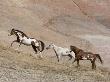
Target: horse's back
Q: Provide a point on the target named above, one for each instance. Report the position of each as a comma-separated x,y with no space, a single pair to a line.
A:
66,51
27,41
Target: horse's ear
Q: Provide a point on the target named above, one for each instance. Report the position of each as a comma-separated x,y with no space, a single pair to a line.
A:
12,28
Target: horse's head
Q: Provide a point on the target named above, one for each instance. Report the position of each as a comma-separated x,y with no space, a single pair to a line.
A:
50,46
73,48
12,32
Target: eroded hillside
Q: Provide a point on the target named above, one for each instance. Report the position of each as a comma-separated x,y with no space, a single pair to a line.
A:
83,23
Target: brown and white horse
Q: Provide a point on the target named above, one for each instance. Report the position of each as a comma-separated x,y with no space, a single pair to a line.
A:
81,55
22,38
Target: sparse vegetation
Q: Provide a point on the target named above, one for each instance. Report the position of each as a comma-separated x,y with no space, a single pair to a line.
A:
16,66
62,22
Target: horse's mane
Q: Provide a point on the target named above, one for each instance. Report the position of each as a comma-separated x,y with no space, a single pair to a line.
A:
22,33
79,50
75,49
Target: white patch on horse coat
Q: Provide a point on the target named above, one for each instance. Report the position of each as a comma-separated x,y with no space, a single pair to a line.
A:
84,58
36,44
73,54
88,56
27,41
20,35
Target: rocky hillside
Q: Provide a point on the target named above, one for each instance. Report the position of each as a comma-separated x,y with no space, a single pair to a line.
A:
17,66
83,23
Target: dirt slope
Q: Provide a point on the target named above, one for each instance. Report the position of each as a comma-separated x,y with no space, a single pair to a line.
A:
23,67
83,23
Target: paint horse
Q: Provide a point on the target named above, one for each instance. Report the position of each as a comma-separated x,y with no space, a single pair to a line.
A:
81,55
22,38
61,51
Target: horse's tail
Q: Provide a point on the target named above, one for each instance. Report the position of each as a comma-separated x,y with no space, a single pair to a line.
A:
98,56
42,45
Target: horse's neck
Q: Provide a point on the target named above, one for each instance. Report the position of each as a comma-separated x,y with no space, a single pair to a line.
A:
16,34
20,32
78,51
55,47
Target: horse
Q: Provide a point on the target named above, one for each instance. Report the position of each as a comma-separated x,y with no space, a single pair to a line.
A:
81,55
22,38
61,51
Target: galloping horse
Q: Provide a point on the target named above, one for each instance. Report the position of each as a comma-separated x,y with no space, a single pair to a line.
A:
22,38
61,51
81,55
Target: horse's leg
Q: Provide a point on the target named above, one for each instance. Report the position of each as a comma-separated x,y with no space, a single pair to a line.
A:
74,60
20,43
38,48
70,56
40,55
12,43
34,48
92,64
78,63
58,57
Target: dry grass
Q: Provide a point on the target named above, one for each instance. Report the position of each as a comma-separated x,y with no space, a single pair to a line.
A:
60,22
17,66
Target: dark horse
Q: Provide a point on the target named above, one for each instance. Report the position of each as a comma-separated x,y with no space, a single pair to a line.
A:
22,38
81,55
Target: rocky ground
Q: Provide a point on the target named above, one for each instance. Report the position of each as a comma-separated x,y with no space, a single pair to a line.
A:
83,23
16,66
